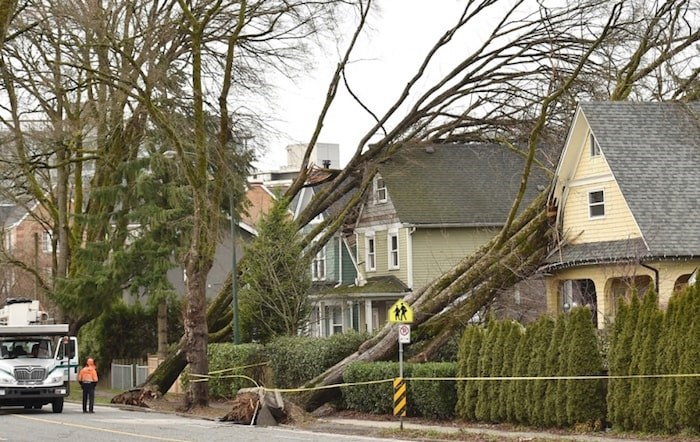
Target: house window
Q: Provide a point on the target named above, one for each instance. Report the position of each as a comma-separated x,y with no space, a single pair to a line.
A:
9,241
595,147
379,190
318,266
596,204
334,320
46,242
370,259
393,246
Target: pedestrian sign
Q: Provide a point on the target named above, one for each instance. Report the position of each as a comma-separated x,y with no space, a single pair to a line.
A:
400,312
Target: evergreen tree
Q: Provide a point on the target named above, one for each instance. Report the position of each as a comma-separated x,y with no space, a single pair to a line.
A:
494,392
482,410
585,399
543,331
643,394
471,388
276,279
552,403
667,363
513,334
688,402
518,388
622,360
614,360
462,358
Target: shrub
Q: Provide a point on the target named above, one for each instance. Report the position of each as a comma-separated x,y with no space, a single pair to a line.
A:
584,399
372,398
434,399
469,360
296,360
235,366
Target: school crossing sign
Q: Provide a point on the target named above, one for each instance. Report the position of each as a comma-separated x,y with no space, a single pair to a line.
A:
400,313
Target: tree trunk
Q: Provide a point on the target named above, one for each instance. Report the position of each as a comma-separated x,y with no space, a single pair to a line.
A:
162,329
219,316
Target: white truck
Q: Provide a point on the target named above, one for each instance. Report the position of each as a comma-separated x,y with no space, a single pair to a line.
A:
38,359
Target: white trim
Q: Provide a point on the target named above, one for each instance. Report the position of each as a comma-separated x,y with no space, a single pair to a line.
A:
598,204
393,233
319,258
409,257
593,148
370,236
376,188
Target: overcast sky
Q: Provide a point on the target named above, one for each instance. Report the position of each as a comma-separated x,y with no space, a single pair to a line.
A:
386,58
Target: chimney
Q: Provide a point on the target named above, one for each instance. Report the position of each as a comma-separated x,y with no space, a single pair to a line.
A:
326,164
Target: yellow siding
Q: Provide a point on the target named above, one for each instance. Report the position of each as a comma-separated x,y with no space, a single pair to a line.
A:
435,250
592,174
617,224
587,165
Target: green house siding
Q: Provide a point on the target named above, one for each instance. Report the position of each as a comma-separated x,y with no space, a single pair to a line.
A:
332,260
381,244
436,250
346,266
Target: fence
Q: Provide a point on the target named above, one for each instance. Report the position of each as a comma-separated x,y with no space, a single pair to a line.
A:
127,376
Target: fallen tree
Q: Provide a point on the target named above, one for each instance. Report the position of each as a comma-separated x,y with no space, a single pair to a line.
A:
454,297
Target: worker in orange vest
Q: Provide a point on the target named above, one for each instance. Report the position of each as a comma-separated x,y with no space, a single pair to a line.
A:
88,381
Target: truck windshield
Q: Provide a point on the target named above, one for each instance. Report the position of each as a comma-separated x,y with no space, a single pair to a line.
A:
38,348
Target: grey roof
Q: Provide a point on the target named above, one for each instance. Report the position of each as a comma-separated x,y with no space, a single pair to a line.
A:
457,184
596,253
11,214
653,150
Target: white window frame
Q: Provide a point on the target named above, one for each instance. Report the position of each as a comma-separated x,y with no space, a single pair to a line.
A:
9,241
594,147
591,205
380,192
318,266
393,253
46,242
336,327
370,256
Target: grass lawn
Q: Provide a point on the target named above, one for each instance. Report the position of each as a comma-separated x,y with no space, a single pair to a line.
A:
102,396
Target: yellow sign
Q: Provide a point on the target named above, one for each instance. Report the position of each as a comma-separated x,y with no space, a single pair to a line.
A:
400,312
399,397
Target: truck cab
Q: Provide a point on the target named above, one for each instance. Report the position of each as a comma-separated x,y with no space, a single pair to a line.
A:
36,361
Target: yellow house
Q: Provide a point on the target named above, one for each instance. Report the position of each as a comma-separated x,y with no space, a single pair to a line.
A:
625,196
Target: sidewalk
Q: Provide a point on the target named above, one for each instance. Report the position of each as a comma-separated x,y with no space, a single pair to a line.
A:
361,426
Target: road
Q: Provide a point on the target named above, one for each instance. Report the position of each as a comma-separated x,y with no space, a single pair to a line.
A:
119,425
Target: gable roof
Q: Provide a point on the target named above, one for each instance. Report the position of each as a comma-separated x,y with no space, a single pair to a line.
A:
653,151
457,184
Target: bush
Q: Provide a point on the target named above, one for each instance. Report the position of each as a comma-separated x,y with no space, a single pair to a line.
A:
584,399
372,398
296,360
234,367
434,399
468,366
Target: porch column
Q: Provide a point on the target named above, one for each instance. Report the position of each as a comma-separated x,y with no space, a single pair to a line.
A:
368,315
552,293
604,300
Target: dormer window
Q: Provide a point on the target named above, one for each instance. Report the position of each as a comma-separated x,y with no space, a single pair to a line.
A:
596,204
595,147
379,190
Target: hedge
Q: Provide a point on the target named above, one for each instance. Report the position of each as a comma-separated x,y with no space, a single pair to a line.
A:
434,399
296,360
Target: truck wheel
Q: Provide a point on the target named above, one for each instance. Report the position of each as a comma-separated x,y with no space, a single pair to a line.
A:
57,405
